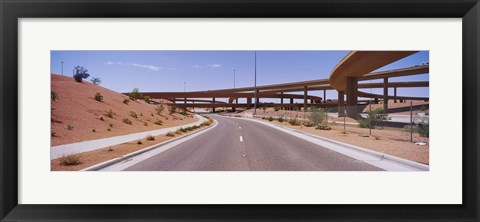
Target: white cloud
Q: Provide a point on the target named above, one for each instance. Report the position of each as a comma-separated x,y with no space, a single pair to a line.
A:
149,67
196,66
215,66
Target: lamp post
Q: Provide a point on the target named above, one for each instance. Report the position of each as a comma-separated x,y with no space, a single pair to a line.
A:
184,86
255,88
62,68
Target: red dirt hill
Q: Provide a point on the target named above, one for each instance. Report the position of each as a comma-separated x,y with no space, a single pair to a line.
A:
77,106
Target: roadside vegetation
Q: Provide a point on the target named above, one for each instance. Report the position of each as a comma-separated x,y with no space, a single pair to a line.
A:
374,119
80,73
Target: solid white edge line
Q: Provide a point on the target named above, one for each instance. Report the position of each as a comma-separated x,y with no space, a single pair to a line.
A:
114,164
381,160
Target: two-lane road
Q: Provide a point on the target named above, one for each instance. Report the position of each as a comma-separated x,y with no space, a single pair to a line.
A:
243,145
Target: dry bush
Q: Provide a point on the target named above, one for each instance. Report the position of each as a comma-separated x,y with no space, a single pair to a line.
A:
127,121
133,114
71,160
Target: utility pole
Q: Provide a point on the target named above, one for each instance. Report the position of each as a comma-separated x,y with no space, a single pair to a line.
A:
411,121
369,117
255,88
62,68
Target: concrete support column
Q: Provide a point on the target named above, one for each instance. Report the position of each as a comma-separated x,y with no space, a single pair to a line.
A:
305,98
324,96
385,95
395,95
213,102
258,99
341,102
281,99
249,103
352,99
185,102
375,100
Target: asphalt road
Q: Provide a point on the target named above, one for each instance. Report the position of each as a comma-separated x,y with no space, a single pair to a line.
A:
243,145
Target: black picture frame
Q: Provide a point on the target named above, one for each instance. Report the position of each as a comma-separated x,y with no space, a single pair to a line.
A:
11,11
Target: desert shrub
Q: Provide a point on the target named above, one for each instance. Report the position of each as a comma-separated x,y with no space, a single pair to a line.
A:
126,101
158,122
178,131
98,97
150,137
316,116
280,119
145,123
110,113
109,129
173,109
422,127
127,121
110,149
53,133
135,94
170,134
323,126
71,160
53,96
101,118
183,130
96,81
111,124
270,118
147,99
80,73
374,118
139,142
133,114
69,126
294,122
308,123
159,109
277,108
93,130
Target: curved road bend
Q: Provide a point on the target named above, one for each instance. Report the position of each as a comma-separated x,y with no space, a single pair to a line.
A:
243,145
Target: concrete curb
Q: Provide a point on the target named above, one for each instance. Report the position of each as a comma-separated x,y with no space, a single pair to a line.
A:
371,152
144,150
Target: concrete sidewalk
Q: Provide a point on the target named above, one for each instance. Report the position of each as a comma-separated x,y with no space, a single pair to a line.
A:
85,146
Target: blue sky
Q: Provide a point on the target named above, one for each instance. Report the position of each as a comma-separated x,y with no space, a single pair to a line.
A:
167,71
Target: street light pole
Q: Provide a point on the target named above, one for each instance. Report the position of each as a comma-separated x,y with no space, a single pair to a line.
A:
62,68
184,86
234,78
255,88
